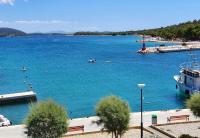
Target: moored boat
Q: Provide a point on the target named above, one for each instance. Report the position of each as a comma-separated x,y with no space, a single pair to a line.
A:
188,81
92,60
4,121
23,69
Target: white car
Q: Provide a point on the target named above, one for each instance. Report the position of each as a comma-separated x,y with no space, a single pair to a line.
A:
4,121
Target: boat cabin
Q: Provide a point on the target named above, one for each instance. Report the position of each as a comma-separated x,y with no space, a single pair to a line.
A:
190,79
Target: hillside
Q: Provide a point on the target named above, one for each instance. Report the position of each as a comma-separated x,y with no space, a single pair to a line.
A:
10,32
185,31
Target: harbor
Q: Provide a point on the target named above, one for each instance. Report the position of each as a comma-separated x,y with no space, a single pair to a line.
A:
65,75
99,69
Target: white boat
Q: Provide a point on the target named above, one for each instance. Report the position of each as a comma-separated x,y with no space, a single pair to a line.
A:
188,81
23,69
92,60
4,121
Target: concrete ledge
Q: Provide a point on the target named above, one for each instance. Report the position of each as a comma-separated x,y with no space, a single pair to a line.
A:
163,132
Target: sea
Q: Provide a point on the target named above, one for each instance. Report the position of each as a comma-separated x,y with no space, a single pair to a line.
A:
58,69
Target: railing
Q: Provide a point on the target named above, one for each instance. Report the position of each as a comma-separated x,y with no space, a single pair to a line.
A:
194,66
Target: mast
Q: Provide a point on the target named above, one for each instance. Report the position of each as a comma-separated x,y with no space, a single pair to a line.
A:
193,63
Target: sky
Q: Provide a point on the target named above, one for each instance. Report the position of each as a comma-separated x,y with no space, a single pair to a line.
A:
95,15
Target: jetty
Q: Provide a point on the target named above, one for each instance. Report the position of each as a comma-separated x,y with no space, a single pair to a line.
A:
167,49
10,98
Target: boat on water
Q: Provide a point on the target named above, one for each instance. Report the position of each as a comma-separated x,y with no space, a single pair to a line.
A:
23,69
92,60
4,121
188,80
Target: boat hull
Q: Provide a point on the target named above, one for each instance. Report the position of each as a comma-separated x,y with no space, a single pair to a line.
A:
183,89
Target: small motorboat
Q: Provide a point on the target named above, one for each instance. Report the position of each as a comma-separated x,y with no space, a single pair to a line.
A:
23,69
92,60
4,121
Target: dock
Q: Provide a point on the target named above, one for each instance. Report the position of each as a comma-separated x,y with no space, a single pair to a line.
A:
167,49
178,48
10,98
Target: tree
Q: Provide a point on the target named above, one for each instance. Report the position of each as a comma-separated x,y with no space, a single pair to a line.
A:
184,31
46,119
114,115
184,44
194,104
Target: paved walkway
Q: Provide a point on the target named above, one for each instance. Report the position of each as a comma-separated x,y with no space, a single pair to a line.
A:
13,132
131,133
90,126
177,130
156,133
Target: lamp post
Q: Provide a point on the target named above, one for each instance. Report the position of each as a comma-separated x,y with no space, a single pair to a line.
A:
141,86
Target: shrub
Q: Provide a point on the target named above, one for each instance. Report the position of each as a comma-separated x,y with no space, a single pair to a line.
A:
46,119
184,44
114,115
186,136
194,104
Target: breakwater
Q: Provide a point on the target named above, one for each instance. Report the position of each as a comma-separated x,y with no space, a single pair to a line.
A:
167,49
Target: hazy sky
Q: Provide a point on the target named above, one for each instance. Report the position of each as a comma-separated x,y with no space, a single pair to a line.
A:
95,15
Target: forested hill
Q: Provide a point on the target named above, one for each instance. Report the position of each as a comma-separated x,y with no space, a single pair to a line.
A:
186,31
10,32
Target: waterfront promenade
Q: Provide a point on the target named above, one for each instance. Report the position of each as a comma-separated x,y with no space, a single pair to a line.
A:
90,126
162,116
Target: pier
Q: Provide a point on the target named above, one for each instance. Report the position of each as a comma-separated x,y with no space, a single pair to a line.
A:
167,49
10,98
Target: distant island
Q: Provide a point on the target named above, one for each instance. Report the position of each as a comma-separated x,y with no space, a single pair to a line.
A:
10,32
5,32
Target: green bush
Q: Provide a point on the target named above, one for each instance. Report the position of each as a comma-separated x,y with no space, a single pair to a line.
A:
186,136
194,104
46,119
185,31
114,115
184,44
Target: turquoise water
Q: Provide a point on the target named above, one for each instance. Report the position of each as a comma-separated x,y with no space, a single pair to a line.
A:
58,69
